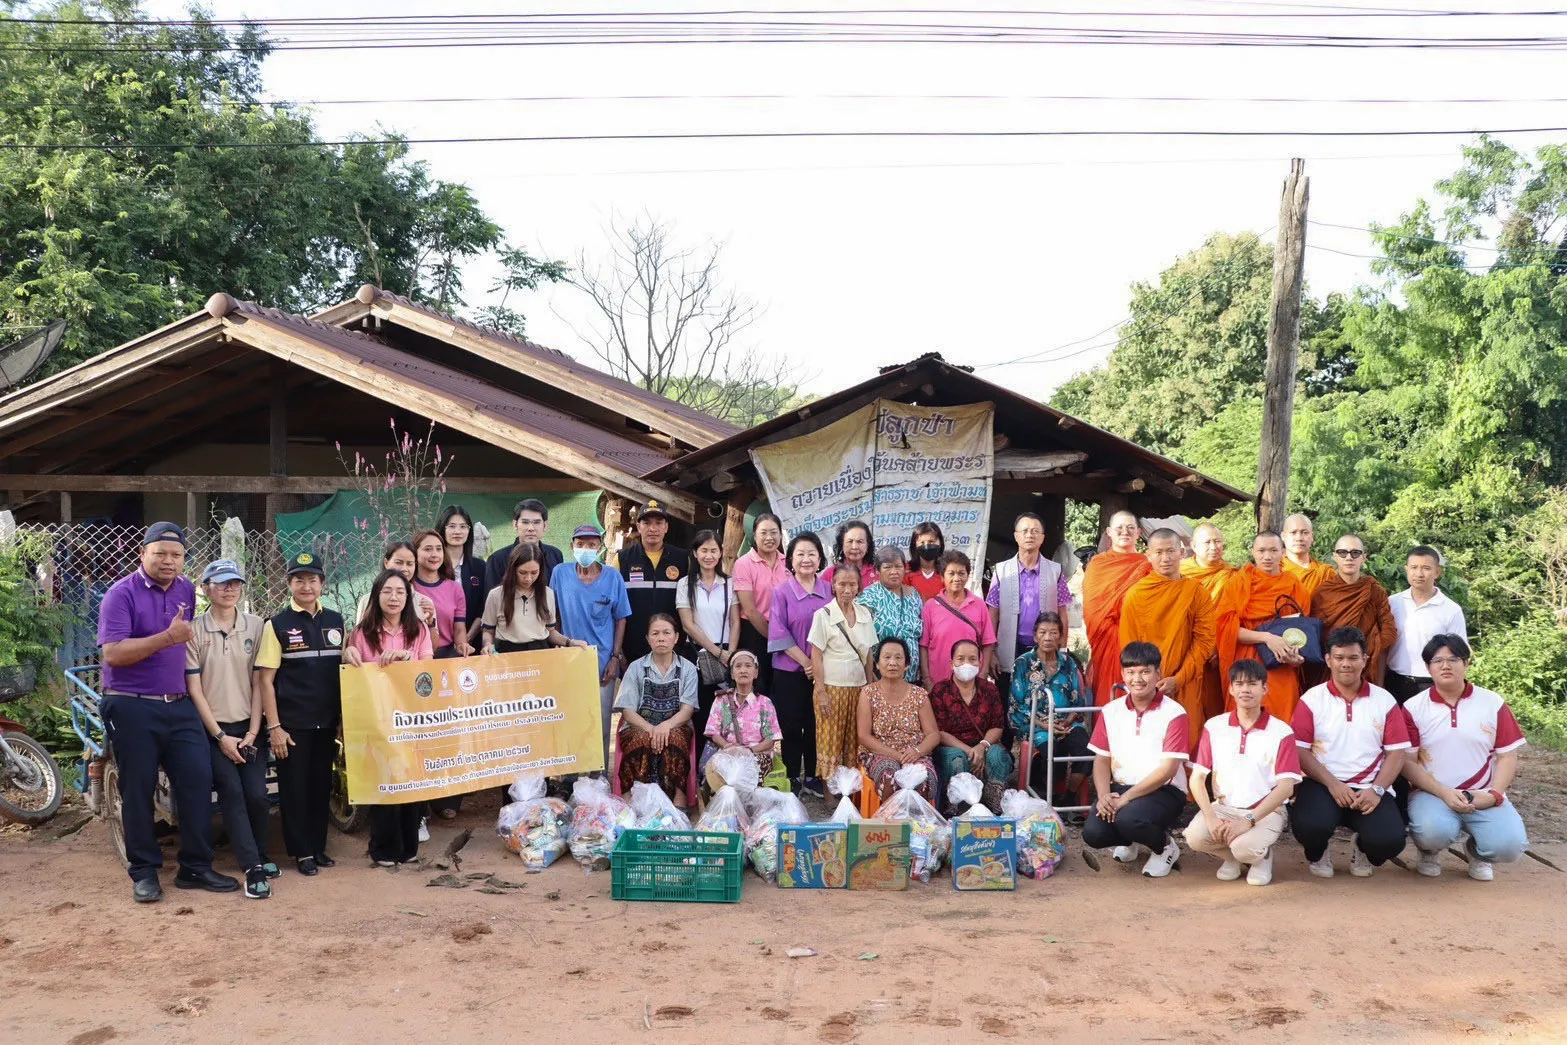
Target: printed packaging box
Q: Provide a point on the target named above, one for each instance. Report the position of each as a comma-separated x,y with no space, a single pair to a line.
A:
984,854
813,856
879,855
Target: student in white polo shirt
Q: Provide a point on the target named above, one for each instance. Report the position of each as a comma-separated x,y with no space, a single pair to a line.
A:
1352,738
1467,742
1421,612
1142,742
1249,761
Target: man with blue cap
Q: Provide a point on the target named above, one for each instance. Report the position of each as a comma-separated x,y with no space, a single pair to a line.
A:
143,627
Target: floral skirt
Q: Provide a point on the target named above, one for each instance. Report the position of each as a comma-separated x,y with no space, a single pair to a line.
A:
837,729
881,769
670,769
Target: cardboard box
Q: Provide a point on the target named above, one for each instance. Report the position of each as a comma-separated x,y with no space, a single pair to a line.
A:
879,855
984,854
813,856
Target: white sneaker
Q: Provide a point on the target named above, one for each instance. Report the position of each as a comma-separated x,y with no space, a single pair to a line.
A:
1125,854
424,831
1481,870
1230,870
1359,865
1261,872
1159,864
1430,864
1323,868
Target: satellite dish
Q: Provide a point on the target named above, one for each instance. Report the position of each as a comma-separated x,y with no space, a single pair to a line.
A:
21,359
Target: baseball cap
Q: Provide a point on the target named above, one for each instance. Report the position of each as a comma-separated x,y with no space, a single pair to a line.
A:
652,507
219,570
587,530
163,531
305,562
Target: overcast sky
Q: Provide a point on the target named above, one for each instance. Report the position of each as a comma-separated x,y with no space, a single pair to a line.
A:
870,252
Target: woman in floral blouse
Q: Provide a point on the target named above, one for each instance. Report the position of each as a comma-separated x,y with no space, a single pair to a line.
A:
896,725
1049,675
895,606
741,717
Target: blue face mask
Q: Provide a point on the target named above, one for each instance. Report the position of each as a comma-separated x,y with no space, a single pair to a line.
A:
585,556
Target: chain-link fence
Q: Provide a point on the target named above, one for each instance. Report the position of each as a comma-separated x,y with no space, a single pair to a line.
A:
79,561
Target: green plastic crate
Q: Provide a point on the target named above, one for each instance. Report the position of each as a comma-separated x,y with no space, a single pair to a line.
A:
682,866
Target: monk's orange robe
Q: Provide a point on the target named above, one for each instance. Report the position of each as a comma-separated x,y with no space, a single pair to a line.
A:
1177,616
1248,601
1311,577
1213,579
1360,605
1107,579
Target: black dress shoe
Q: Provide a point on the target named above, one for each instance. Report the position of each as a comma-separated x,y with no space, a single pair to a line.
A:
307,866
209,880
322,860
146,890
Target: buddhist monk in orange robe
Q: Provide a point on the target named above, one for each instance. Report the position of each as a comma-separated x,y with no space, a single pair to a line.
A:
1109,576
1249,600
1208,568
1176,615
1298,537
1354,599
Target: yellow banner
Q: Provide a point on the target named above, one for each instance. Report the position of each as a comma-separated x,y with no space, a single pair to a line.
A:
434,728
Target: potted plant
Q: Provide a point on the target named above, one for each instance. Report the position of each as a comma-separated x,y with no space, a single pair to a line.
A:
31,627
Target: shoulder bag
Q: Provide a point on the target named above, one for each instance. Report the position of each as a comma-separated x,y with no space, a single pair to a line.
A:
1299,630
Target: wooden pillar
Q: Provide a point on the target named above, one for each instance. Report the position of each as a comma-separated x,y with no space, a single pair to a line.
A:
734,523
1053,511
65,506
1278,397
277,449
616,511
193,505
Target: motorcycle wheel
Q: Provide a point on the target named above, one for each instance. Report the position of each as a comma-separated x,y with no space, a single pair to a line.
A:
31,787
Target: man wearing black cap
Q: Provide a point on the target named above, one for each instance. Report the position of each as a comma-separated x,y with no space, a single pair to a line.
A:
297,666
652,572
143,626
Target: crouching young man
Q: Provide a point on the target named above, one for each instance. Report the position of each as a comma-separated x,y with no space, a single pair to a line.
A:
1245,769
1466,743
1141,742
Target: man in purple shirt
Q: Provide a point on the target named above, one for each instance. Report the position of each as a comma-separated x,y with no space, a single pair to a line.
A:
1021,588
143,626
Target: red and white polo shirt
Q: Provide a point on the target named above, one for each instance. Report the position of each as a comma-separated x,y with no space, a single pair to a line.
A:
1458,743
1246,764
1136,742
1350,737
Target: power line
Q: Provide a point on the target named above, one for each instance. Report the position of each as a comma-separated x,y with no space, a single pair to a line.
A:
1482,267
1404,235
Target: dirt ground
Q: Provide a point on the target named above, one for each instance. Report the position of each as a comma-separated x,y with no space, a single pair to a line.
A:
360,954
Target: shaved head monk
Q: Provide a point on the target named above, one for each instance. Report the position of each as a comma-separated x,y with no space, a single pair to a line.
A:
1175,614
1109,576
1352,598
1208,568
1249,600
1298,537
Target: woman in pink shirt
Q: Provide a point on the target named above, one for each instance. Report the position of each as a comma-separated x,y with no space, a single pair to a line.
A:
956,613
386,634
756,574
433,576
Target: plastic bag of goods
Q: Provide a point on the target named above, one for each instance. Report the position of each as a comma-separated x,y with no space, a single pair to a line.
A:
770,810
1041,837
655,811
733,767
965,789
533,825
726,812
930,836
597,819
845,782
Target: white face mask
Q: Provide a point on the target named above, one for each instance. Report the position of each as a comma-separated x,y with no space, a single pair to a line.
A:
966,672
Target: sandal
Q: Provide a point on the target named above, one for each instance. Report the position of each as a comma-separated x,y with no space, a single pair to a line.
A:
448,814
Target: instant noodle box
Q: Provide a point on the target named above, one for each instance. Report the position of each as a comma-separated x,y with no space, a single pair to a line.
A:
984,854
813,856
879,855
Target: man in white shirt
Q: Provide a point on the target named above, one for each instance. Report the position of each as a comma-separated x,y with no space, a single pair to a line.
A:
1422,612
1352,738
1466,743
1142,743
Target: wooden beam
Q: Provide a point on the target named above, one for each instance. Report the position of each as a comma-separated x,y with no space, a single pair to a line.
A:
1130,486
734,523
270,484
194,502
1020,464
1158,482
277,427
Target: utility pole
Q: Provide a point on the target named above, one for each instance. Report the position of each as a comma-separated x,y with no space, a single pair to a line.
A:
1278,404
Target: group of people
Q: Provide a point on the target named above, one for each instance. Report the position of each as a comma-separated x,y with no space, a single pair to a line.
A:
873,658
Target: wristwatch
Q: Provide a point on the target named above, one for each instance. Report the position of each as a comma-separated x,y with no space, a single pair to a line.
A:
1379,790
1249,817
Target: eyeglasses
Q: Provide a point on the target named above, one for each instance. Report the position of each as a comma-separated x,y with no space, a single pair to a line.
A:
1445,662
1350,553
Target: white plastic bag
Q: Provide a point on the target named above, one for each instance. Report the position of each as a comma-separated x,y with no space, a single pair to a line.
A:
597,819
770,810
1041,837
532,825
654,810
737,767
965,789
845,781
726,812
930,836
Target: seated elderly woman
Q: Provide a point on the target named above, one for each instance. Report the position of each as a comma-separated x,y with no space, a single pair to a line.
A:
657,700
896,725
972,717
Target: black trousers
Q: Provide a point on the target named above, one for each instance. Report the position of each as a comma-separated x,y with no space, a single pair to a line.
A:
1072,743
756,642
1142,821
147,733
242,797
394,831
1315,816
304,790
792,697
1405,686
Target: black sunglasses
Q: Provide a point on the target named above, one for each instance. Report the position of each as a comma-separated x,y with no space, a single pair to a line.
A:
1350,553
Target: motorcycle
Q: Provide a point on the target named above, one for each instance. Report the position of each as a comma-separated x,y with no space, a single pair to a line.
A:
31,786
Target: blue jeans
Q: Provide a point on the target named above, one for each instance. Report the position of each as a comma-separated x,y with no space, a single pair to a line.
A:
950,762
1498,832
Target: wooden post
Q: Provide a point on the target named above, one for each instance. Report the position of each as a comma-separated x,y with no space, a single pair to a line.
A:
1278,404
616,509
193,505
1053,511
277,449
740,499
65,506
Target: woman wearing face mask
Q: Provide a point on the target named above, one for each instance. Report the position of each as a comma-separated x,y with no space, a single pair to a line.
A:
972,717
925,549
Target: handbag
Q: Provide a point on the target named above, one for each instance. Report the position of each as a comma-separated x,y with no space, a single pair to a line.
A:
1299,630
709,669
